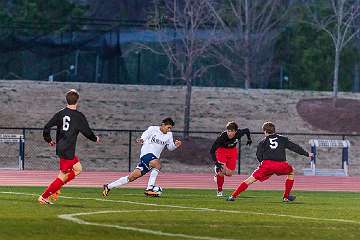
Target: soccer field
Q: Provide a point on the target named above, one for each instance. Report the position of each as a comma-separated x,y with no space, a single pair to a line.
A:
81,213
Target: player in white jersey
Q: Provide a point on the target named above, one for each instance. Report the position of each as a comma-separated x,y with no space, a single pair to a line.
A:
153,141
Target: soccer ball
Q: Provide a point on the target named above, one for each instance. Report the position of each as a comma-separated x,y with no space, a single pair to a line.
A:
157,189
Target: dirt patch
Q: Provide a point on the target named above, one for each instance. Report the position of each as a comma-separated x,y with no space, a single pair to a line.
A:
323,114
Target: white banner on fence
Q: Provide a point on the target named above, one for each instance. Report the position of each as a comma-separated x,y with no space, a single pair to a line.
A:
11,138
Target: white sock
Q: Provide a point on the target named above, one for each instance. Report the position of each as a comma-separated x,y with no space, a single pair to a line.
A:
152,178
119,182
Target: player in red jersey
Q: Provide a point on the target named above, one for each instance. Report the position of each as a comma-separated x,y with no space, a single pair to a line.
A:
224,153
69,123
272,157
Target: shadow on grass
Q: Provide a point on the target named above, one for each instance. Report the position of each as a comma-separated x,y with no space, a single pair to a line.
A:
60,205
287,203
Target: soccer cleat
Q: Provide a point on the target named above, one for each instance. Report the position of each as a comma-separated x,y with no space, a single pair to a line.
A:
151,193
220,194
230,198
44,201
55,196
290,198
149,188
106,190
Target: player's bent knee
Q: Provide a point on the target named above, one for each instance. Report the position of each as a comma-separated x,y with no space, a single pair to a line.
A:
134,175
62,176
250,180
132,178
77,168
155,164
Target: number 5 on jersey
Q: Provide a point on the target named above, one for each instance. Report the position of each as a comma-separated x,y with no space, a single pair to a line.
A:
66,123
273,143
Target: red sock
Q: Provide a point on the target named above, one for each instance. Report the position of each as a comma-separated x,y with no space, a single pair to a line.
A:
53,187
70,176
288,186
220,182
242,187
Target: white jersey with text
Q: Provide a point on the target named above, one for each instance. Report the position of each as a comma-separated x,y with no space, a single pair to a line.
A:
155,141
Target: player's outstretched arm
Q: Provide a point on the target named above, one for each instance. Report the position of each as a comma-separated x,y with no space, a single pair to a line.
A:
296,148
86,130
246,132
171,145
260,151
47,130
218,143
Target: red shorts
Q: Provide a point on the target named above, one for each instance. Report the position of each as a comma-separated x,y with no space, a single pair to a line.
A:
269,167
66,165
227,156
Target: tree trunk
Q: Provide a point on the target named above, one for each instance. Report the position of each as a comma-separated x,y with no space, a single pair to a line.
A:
356,79
336,74
187,108
247,72
247,47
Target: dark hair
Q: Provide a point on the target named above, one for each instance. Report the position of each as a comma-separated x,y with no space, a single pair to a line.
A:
269,127
168,121
232,126
72,96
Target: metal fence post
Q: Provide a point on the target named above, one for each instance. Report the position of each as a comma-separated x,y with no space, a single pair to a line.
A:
22,156
20,153
130,135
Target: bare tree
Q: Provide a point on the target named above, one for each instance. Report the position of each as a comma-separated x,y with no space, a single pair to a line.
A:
185,29
337,18
250,30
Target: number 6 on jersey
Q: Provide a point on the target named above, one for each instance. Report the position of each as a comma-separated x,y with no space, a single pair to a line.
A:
66,123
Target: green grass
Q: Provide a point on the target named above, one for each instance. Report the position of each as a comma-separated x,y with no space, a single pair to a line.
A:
196,214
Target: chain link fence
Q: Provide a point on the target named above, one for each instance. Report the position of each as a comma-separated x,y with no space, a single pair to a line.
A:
118,151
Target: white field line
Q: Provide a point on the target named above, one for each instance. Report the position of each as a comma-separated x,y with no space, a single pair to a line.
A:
71,217
339,220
